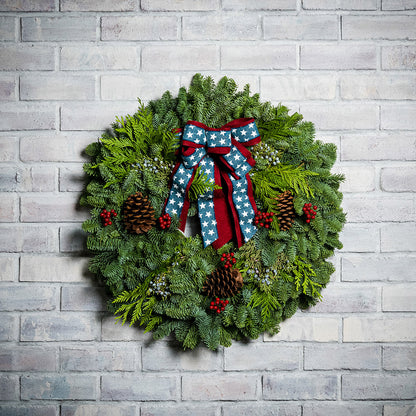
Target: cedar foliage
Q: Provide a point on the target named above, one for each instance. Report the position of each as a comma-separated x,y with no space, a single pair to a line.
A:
282,270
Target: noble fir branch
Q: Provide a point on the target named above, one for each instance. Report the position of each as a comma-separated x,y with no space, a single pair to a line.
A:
201,184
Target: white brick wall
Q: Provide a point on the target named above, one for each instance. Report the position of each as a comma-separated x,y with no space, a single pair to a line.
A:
68,67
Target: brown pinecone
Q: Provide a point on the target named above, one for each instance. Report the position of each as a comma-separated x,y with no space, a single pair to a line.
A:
223,283
286,215
138,214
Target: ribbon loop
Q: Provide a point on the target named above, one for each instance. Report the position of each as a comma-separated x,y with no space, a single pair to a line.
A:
223,156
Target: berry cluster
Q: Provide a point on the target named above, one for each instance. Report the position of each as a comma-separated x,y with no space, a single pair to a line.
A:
228,259
158,286
263,219
309,212
218,305
106,216
164,221
263,277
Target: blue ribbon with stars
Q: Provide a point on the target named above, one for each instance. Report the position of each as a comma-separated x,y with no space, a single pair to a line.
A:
222,155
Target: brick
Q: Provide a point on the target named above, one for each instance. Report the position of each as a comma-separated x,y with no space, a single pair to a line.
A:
139,28
93,116
399,358
80,298
53,269
341,116
222,27
71,179
27,238
28,298
178,410
357,178
301,27
8,149
139,387
341,409
97,410
378,147
52,208
7,87
399,298
8,327
261,409
401,179
9,388
67,147
27,58
39,179
8,268
380,386
9,208
146,87
101,6
27,6
259,5
344,299
113,357
103,57
179,5
24,358
342,357
27,409
59,327
59,387
239,357
398,117
339,57
398,237
388,209
34,179
7,28
220,387
384,329
72,239
299,387
399,410
260,57
310,87
340,4
165,357
27,116
398,5
398,57
378,268
111,330
57,87
384,87
41,29
378,27
307,328
186,58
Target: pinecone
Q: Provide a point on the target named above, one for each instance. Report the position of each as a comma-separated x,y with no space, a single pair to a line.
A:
286,214
223,283
138,214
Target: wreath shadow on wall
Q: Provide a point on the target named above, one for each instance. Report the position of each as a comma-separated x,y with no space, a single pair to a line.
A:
253,182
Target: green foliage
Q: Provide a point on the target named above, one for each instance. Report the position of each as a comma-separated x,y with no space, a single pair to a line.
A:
201,185
282,271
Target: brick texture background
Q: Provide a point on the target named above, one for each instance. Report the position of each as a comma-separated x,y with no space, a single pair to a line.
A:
68,67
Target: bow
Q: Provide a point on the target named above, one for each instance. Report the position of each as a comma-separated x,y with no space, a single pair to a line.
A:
223,156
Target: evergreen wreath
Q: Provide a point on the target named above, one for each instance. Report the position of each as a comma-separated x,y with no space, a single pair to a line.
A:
169,283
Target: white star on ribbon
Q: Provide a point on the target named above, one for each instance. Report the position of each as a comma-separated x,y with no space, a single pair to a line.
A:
237,157
181,181
245,213
239,184
211,205
213,136
181,170
178,194
202,205
190,134
180,203
213,222
205,224
211,232
243,132
239,199
199,133
222,141
174,211
222,133
253,134
208,214
251,125
247,230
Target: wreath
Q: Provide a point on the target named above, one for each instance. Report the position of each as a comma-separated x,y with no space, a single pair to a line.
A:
257,189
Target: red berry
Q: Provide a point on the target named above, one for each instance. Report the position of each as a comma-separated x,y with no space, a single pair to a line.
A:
227,302
315,207
232,254
308,221
211,307
313,217
115,214
218,311
222,308
261,224
109,222
234,261
267,226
